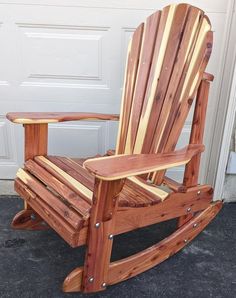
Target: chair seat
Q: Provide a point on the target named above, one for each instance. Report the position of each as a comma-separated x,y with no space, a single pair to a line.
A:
60,190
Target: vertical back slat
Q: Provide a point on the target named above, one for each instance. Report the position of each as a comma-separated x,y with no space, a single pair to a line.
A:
173,45
146,55
195,76
194,81
159,52
130,80
183,57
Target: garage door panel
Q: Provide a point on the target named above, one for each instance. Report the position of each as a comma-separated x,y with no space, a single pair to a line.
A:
63,54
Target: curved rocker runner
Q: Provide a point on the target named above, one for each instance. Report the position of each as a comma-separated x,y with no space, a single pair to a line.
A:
90,201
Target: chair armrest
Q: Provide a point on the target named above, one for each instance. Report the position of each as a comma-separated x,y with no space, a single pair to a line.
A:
122,166
48,117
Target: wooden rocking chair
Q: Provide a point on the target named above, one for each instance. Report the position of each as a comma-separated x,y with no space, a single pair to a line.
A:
91,201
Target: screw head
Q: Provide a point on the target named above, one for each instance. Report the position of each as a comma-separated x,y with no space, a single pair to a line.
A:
110,237
185,240
195,225
199,192
32,216
97,225
189,209
91,279
104,285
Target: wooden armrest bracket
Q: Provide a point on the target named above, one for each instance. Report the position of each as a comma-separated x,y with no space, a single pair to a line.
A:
36,140
208,77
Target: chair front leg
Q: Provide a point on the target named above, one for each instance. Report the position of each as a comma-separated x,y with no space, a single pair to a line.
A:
100,238
36,143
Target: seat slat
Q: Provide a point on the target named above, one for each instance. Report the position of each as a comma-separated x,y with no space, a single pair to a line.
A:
69,215
127,198
135,193
66,231
71,182
73,199
74,169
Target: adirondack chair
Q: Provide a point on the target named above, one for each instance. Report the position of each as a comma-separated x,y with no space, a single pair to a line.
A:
91,201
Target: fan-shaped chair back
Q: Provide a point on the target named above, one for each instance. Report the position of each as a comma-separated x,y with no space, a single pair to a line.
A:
166,59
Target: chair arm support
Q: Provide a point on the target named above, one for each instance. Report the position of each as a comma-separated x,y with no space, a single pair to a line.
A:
122,166
208,76
51,117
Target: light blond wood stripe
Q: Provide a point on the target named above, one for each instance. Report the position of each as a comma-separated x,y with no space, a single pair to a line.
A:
22,175
153,189
35,121
48,120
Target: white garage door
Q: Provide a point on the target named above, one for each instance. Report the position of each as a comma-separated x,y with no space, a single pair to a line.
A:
69,56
